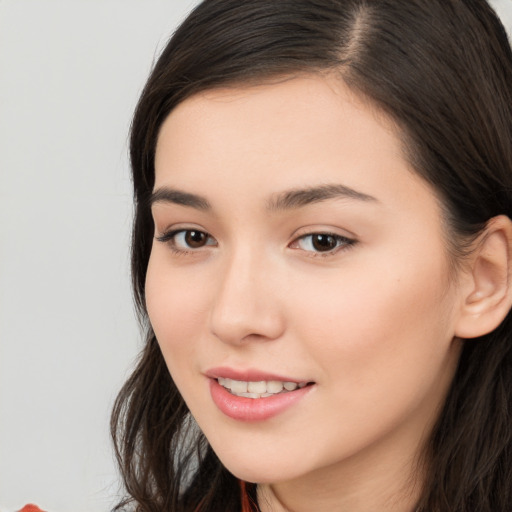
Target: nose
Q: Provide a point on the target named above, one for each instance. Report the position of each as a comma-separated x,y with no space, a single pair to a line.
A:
246,305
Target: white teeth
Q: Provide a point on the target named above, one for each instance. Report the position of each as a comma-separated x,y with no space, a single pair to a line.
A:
240,386
260,389
249,395
274,386
256,387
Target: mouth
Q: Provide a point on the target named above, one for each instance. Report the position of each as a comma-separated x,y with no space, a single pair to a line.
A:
252,395
260,389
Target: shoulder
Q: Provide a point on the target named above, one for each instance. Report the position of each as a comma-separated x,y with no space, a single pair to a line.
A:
31,508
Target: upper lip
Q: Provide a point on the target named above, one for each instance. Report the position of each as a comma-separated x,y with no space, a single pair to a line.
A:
249,375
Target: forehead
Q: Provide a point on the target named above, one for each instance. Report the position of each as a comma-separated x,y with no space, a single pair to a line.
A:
283,108
297,132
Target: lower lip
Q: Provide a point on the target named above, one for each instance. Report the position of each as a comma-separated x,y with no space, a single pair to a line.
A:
254,409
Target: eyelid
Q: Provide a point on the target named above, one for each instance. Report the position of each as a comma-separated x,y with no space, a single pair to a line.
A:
343,242
171,229
169,237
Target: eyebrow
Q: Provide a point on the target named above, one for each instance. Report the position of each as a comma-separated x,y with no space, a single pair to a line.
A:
174,196
302,197
286,200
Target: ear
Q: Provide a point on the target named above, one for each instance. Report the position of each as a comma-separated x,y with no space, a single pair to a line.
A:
487,287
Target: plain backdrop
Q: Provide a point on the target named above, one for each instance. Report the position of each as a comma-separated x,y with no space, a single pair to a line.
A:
70,75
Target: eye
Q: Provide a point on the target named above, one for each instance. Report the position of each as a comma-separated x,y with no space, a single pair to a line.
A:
186,240
326,243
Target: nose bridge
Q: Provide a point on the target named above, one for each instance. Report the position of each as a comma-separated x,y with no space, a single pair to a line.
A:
245,305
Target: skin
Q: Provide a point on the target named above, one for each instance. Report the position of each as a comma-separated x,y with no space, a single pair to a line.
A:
372,323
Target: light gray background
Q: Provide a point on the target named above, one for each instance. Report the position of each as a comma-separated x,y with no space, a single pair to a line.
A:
70,74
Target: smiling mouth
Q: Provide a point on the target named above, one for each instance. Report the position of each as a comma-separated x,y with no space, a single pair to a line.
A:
260,389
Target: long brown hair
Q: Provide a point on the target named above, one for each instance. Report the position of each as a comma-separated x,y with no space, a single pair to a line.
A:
442,69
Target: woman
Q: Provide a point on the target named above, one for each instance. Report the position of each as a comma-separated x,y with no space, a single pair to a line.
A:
321,261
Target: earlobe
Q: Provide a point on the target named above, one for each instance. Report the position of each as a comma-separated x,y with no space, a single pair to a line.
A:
488,295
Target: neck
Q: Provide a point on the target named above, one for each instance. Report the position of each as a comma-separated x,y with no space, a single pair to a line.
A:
383,484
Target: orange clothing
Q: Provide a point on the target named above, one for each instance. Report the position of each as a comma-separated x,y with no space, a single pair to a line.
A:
31,508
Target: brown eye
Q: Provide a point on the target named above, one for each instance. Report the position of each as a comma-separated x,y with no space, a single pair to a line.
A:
186,240
321,242
316,243
195,239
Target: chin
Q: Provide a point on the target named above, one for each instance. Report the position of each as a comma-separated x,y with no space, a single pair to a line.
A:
258,469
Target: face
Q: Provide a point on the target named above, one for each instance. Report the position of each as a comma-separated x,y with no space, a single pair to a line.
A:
299,284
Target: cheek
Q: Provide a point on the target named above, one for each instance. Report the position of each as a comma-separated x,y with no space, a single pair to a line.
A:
175,301
381,342
379,321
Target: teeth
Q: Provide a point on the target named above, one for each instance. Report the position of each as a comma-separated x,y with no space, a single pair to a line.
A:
225,382
239,386
260,389
256,387
274,386
249,395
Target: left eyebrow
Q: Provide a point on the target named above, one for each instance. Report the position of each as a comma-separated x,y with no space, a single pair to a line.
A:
175,196
298,198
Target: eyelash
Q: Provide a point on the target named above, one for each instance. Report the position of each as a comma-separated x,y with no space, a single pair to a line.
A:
169,238
342,242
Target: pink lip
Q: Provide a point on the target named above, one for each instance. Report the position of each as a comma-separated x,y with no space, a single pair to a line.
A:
252,409
249,375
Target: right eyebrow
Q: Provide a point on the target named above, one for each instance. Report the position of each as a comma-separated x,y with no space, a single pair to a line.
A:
175,196
301,197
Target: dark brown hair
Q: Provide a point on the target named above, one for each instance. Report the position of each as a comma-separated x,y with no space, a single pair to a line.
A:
442,70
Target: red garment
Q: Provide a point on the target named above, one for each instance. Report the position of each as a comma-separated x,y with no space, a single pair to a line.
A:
247,504
31,508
